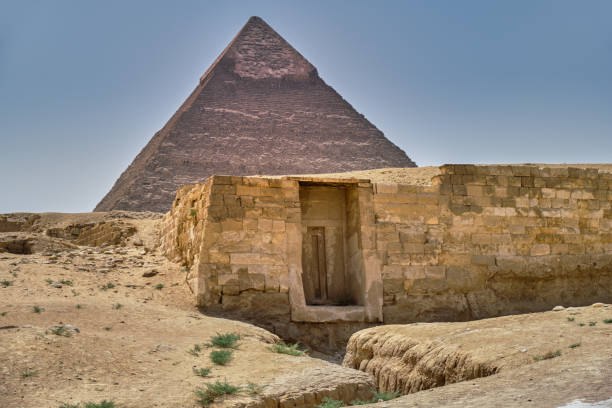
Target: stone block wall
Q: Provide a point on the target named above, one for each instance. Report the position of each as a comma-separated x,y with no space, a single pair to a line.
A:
95,234
231,232
478,241
492,240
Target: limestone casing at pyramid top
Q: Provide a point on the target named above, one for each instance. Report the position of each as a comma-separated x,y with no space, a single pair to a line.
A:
259,52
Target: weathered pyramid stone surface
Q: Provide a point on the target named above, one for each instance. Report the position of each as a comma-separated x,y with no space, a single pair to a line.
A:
261,108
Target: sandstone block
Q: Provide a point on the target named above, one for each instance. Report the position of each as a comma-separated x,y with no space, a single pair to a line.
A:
384,188
540,250
265,225
230,290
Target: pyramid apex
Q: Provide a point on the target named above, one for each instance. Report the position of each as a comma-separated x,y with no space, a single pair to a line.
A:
259,52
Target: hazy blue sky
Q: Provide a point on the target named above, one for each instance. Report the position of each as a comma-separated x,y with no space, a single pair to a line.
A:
85,84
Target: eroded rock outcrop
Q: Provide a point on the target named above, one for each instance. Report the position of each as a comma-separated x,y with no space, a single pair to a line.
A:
410,358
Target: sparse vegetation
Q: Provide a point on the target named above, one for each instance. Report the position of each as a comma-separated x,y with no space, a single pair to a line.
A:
330,403
66,282
109,285
227,340
570,319
214,391
608,321
37,309
574,345
195,351
159,286
221,357
79,306
108,328
3,313
61,331
27,373
377,397
548,355
193,213
117,306
254,389
580,324
291,349
66,405
6,283
49,281
201,372
103,404
592,323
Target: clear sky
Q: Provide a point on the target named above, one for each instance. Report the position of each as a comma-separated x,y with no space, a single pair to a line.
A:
85,84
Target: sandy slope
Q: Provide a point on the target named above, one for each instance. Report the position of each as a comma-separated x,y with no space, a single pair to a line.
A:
133,339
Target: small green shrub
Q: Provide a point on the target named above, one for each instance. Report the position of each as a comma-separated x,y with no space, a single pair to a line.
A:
37,309
330,403
608,321
548,355
108,328
291,349
221,357
79,306
159,286
214,391
592,323
103,404
574,345
66,282
195,351
49,281
227,340
384,396
570,319
254,389
61,331
109,285
117,306
202,372
193,213
6,283
3,313
580,324
27,373
66,405
377,397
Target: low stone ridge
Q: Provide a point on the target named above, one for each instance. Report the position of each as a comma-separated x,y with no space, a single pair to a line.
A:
261,108
534,359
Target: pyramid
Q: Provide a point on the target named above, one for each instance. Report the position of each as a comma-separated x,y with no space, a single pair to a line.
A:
261,108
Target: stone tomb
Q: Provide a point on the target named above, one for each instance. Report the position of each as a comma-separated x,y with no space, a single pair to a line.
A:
478,241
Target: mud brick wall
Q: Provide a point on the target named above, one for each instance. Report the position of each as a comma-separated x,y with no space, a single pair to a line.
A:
493,240
98,234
